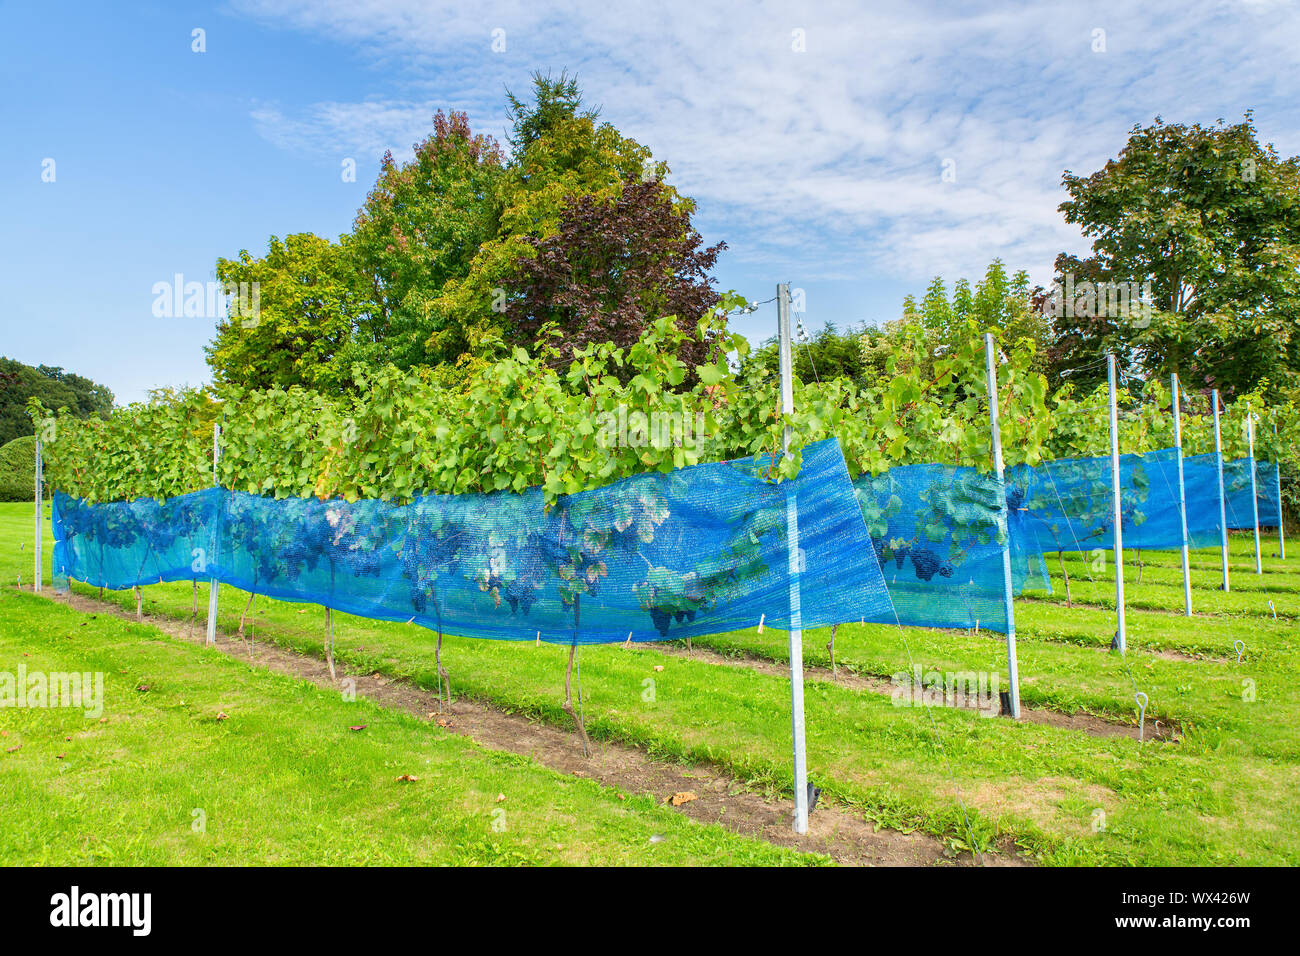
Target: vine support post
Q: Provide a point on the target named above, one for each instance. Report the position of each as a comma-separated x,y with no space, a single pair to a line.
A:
1254,491
995,432
38,574
1182,493
1223,510
793,569
1117,511
568,681
213,586
1277,476
329,644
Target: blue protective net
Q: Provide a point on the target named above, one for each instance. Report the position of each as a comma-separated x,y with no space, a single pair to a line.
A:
936,529
696,551
1236,484
938,532
1069,502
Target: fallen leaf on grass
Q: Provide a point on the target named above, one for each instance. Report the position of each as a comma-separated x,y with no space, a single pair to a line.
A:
682,796
659,667
143,688
359,727
407,778
500,797
222,716
10,750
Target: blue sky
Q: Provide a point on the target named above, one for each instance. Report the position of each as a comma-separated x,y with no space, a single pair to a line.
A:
814,136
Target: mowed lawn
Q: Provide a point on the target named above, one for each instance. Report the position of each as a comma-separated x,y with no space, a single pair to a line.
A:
1225,793
198,758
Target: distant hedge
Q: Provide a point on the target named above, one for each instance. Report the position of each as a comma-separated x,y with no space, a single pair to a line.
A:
17,469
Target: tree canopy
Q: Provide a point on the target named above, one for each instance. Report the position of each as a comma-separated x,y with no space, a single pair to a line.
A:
54,387
1211,218
462,252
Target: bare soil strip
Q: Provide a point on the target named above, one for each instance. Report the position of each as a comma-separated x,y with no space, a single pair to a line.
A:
719,798
1098,726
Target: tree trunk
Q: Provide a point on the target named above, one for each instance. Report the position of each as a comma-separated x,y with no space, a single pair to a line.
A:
568,673
568,702
244,614
830,646
1061,557
329,645
444,679
329,631
139,604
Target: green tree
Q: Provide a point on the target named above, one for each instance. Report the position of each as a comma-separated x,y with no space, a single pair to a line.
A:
561,156
940,325
1212,219
313,318
827,354
415,241
556,101
446,266
613,268
18,469
54,387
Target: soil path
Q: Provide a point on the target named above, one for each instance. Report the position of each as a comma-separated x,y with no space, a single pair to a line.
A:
835,831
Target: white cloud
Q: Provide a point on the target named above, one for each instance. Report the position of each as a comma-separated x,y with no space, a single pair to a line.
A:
828,161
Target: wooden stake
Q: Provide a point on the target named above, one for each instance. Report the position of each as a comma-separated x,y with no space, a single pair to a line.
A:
568,702
444,679
244,614
329,645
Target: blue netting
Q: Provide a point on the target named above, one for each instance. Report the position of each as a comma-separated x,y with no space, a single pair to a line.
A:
1069,501
936,528
1236,484
938,532
693,552
696,551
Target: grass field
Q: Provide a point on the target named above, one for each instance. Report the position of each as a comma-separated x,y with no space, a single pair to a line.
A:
1223,792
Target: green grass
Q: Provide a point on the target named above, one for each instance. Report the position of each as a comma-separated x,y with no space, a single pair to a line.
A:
1226,794
281,779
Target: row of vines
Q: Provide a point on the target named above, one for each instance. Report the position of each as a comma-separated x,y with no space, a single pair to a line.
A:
535,419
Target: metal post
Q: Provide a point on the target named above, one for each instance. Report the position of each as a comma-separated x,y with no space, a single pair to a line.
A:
1121,635
213,586
1277,475
39,572
1182,493
1223,511
1254,492
792,546
1013,670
